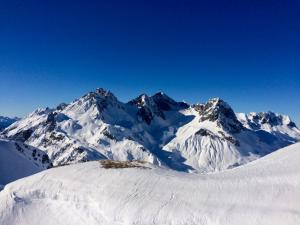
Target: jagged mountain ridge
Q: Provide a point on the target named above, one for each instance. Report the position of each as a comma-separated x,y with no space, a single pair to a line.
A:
280,125
203,137
216,139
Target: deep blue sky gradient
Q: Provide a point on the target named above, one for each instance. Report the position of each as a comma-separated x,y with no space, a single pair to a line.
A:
246,52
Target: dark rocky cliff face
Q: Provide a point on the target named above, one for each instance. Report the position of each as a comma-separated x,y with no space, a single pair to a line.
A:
156,105
216,110
165,103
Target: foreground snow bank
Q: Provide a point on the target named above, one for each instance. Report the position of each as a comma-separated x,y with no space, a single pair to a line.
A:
266,191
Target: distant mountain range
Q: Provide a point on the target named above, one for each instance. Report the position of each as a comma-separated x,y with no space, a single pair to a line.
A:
7,121
157,129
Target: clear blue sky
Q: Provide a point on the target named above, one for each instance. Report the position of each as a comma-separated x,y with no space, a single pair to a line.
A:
246,52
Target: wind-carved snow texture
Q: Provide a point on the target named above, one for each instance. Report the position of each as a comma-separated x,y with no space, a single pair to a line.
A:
194,138
263,192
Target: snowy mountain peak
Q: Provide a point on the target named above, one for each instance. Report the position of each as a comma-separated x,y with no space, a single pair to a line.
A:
61,106
94,102
165,103
280,125
41,111
100,94
147,108
217,103
155,106
103,92
271,118
141,100
161,95
217,110
265,119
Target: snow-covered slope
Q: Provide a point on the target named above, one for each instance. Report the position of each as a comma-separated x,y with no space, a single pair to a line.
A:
6,121
264,192
216,140
96,126
205,137
18,160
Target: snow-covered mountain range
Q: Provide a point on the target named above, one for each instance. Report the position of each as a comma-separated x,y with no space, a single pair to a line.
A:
138,149
7,121
157,129
263,192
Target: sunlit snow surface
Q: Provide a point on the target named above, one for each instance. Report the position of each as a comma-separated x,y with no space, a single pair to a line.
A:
265,191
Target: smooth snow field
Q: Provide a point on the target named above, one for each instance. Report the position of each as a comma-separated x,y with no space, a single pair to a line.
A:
265,191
